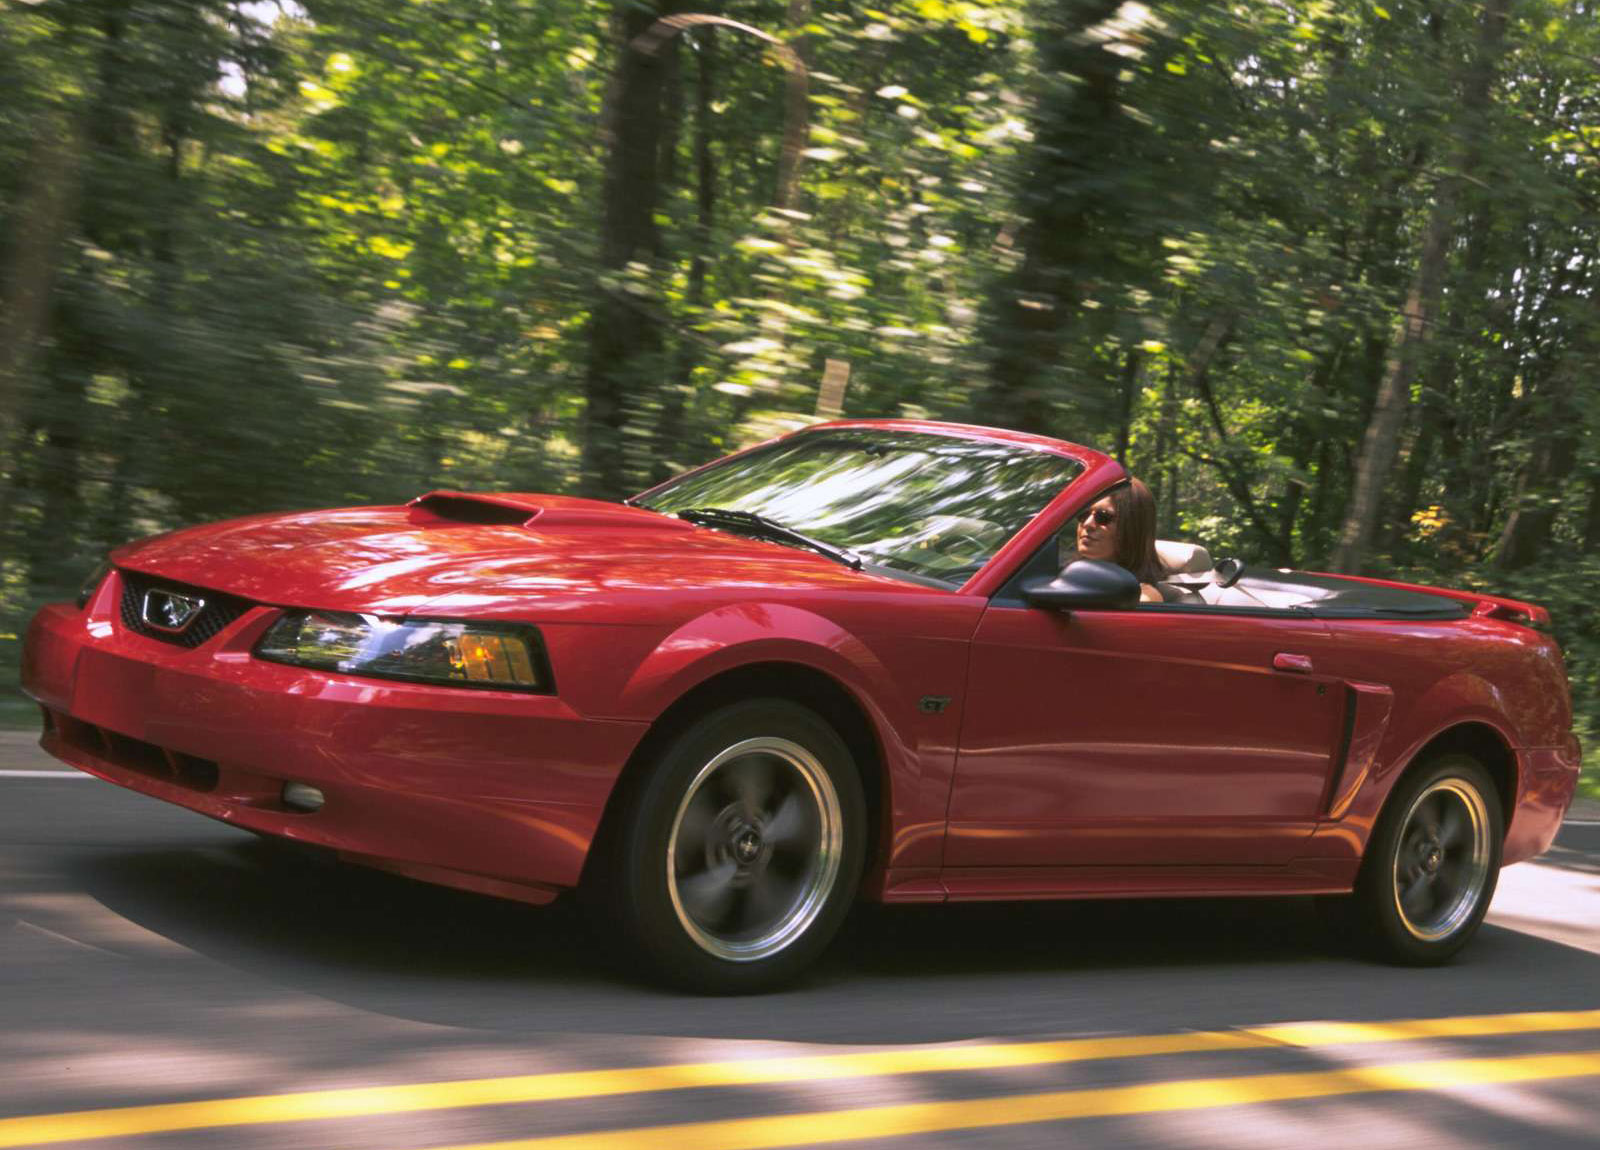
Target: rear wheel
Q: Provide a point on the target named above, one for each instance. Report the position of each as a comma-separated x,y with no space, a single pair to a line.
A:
736,858
1431,867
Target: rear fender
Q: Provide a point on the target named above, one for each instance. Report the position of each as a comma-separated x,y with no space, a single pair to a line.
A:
1452,702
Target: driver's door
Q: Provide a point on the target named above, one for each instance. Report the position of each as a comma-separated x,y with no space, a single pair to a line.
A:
1155,735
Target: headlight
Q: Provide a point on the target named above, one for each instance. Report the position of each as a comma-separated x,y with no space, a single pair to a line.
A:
92,583
503,656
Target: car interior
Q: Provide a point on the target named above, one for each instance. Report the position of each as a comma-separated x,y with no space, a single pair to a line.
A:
1195,581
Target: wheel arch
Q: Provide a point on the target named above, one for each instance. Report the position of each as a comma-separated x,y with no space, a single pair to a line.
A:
1483,742
1373,916
795,682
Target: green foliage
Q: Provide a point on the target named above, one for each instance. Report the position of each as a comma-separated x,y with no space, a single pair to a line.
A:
350,250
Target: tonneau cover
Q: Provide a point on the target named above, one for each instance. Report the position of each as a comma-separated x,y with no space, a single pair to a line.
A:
1330,597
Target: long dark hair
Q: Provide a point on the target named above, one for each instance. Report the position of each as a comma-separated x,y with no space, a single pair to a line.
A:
1136,531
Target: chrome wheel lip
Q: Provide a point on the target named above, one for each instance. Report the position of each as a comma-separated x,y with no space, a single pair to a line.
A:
1463,892
824,862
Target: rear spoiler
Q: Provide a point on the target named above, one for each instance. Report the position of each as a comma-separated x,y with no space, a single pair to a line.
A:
1483,606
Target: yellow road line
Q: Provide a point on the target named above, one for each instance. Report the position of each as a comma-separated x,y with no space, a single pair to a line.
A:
361,1102
1461,1026
1026,1109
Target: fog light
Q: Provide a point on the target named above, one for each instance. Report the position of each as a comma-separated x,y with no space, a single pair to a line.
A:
299,797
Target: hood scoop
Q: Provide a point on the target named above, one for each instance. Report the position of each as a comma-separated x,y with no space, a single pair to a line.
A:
544,512
459,507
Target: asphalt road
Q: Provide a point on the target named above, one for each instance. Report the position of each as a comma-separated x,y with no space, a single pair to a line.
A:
192,986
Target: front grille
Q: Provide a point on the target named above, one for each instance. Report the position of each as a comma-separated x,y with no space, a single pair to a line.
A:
220,610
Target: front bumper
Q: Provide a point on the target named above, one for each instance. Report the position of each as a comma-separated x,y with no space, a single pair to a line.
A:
493,791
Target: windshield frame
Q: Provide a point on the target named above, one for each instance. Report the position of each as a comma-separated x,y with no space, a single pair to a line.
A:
983,580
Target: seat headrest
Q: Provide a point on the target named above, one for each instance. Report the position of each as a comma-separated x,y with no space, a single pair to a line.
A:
1183,558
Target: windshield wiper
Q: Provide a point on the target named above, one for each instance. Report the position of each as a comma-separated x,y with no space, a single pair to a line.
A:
761,526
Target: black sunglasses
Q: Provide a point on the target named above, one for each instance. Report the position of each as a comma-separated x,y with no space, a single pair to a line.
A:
1100,516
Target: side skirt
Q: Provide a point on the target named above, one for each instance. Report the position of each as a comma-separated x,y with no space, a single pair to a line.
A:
996,884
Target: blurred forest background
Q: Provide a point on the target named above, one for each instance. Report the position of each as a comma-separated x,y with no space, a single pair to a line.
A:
1323,273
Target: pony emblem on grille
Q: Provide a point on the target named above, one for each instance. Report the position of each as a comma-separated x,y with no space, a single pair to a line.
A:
169,611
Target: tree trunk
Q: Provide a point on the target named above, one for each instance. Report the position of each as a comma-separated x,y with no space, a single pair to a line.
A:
57,411
625,336
1418,460
27,284
1080,127
1129,393
1441,384
1378,447
1537,498
1591,519
1319,516
671,138
774,321
41,220
136,452
796,106
1304,441
1165,487
792,53
669,441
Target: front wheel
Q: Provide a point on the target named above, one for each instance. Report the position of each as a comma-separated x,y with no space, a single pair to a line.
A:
736,858
1432,864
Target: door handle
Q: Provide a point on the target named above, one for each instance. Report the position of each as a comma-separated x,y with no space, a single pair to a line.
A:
1298,664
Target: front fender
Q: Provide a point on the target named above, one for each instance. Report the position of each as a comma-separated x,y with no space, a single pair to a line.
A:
743,633
918,749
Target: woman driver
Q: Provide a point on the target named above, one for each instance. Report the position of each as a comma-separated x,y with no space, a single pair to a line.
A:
1121,527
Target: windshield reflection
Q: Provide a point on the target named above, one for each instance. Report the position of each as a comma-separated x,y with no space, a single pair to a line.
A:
933,506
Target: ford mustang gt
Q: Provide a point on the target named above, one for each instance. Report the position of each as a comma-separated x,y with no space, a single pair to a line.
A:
858,661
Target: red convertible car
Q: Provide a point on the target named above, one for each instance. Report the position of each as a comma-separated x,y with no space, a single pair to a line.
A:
846,663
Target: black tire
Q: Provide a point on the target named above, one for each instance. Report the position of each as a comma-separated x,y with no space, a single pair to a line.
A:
759,808
1431,865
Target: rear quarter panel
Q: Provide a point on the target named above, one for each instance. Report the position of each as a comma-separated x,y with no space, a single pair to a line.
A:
1443,674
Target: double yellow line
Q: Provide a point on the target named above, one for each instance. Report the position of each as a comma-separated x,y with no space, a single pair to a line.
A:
881,1121
1026,1109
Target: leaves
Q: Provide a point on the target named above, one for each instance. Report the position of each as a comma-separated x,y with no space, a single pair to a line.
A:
356,249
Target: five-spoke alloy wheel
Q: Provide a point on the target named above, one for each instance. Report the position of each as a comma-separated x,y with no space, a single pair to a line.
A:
735,858
755,848
1441,866
1431,865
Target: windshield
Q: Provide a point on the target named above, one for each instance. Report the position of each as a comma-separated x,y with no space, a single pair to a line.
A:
930,505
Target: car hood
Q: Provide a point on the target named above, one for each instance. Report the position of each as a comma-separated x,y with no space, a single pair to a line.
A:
480,549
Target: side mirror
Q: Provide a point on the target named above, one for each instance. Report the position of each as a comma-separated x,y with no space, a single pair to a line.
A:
1084,585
